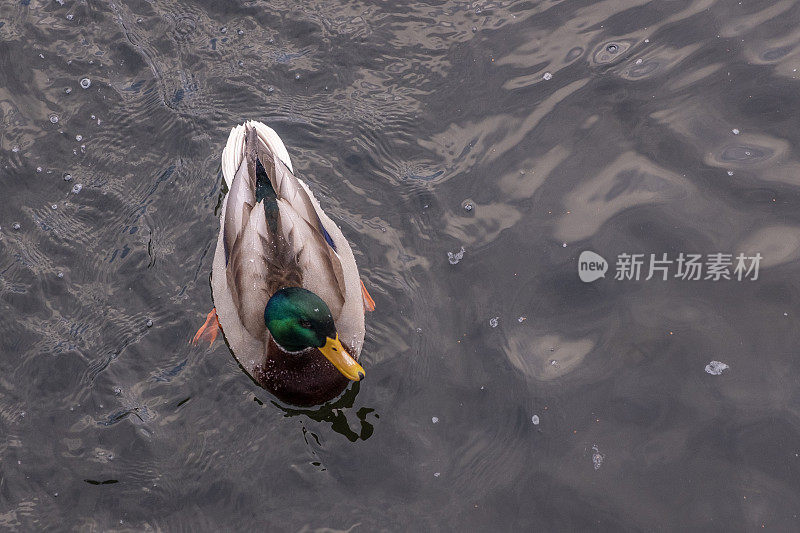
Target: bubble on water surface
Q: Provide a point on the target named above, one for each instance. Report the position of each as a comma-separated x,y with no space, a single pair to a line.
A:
716,368
86,83
597,457
455,257
611,52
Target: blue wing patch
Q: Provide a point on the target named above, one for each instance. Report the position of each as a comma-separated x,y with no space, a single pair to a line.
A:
327,236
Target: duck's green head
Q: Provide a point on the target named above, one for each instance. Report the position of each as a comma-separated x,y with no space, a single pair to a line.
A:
298,319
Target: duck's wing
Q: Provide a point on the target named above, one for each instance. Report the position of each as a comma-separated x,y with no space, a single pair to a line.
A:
301,226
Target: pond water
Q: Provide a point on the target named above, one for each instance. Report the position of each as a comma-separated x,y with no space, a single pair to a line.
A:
470,151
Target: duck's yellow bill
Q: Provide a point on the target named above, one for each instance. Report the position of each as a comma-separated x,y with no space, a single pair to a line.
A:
336,354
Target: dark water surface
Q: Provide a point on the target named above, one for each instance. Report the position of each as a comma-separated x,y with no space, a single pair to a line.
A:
525,132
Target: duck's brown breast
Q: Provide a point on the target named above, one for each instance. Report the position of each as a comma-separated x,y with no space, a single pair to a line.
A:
304,379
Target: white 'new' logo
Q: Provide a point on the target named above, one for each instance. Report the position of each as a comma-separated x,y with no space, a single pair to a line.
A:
591,266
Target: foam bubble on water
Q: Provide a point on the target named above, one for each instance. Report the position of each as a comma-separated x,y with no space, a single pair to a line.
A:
716,368
86,83
455,257
547,76
494,321
535,420
597,457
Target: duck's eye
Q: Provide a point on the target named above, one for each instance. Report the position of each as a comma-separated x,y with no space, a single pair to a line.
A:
305,324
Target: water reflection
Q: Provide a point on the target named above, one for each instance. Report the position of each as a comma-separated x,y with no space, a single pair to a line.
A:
336,414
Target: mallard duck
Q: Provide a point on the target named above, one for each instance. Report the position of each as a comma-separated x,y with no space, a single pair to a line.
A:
285,284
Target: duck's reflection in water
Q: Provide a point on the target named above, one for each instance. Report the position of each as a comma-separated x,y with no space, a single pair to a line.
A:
338,413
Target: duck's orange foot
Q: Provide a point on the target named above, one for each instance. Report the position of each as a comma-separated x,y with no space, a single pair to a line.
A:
369,303
209,330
